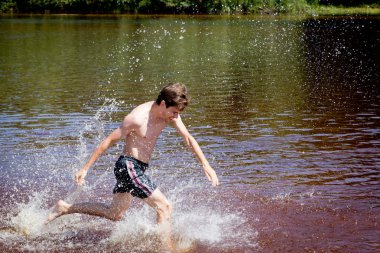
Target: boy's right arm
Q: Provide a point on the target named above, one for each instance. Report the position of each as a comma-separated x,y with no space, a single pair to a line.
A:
121,132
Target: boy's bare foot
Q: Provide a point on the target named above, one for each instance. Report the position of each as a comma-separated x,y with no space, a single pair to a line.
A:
60,208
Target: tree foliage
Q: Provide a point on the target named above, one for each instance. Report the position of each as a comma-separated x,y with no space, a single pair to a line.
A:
170,6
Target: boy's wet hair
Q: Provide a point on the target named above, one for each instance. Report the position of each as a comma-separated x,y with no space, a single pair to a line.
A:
174,94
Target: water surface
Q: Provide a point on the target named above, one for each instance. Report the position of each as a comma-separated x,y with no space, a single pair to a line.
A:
286,110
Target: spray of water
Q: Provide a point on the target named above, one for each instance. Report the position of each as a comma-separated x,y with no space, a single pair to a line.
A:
199,220
193,223
29,217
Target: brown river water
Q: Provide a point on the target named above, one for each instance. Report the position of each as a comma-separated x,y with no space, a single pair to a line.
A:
287,111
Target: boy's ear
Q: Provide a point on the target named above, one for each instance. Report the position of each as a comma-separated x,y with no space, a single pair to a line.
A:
163,103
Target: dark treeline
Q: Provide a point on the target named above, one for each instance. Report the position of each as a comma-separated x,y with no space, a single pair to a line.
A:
172,6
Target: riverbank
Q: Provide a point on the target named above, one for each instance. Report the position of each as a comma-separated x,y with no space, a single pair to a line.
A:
294,7
338,10
313,12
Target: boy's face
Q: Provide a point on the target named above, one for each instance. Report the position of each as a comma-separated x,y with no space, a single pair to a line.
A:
171,113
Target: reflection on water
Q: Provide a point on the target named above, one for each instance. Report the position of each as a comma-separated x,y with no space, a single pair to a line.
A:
287,111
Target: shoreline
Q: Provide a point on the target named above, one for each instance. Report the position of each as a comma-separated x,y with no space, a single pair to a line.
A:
309,12
314,15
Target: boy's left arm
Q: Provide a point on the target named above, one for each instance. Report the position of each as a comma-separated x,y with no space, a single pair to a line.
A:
195,148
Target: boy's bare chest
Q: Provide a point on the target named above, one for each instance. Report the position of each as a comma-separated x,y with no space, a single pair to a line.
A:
150,130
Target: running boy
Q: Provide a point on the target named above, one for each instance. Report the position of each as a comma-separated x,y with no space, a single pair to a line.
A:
139,130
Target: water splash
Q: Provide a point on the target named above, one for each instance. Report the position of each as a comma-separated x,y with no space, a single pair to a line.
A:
29,217
198,220
194,223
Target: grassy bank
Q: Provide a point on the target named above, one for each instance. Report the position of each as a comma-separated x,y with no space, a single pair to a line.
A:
340,10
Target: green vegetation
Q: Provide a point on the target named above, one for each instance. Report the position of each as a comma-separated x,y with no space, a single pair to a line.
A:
341,10
324,7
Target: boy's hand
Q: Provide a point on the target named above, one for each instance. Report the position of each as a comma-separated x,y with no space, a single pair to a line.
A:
79,176
211,175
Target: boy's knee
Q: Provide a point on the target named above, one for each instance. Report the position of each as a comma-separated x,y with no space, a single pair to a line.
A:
165,210
116,216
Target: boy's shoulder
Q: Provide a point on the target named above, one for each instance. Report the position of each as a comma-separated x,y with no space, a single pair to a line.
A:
139,114
141,110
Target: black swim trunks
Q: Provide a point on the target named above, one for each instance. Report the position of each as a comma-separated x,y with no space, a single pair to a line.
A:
130,177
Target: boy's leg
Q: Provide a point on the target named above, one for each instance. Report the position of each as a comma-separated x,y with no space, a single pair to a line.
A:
115,211
164,209
162,206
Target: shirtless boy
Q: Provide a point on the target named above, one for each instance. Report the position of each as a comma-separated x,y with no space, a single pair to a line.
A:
139,130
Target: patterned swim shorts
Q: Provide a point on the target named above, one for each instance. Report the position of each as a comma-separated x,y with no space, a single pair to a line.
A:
130,178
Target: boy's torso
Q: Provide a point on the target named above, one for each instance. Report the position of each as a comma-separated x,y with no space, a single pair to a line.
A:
141,141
